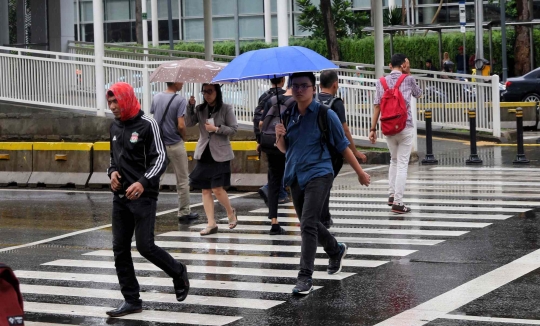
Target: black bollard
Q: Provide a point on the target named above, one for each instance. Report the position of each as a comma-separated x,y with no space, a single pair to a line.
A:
473,158
430,158
520,158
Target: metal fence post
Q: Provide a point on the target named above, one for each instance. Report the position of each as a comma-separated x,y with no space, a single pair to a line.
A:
430,158
146,89
414,113
473,158
520,158
496,106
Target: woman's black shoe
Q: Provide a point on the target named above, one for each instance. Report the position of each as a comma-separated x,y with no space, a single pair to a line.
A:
181,285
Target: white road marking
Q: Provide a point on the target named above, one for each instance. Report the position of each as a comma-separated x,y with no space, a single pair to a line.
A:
443,304
261,272
146,315
249,259
373,222
440,201
169,298
159,281
505,321
418,193
254,236
467,182
274,248
447,168
390,215
241,227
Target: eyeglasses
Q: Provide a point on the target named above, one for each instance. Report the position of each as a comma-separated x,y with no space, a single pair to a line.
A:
302,87
207,91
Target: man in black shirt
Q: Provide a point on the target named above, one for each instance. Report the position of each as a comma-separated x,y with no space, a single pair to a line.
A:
461,62
329,84
430,67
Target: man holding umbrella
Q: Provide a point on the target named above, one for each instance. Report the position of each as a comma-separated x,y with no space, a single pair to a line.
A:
310,175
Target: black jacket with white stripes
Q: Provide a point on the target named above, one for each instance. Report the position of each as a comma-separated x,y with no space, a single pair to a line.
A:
138,153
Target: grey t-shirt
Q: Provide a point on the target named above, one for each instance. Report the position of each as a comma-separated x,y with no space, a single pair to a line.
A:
176,110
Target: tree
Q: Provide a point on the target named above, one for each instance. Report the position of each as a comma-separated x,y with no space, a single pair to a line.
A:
138,21
330,30
347,22
522,49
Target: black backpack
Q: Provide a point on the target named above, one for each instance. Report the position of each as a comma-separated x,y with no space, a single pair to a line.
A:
268,129
260,109
11,307
322,122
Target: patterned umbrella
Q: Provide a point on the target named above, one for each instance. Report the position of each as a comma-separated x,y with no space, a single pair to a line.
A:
186,71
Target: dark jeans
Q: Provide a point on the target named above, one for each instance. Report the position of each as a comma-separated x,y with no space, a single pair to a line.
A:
337,166
309,208
276,169
137,216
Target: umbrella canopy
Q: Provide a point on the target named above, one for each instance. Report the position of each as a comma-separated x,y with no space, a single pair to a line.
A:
273,62
186,71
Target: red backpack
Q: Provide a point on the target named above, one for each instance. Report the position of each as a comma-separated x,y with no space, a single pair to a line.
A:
393,108
11,307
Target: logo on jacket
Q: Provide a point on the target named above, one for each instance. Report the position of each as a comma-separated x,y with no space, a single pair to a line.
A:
134,137
15,320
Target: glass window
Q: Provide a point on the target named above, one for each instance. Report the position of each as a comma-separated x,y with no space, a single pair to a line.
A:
223,28
117,32
163,9
274,26
116,10
163,26
273,4
223,7
251,6
193,8
87,14
194,29
251,27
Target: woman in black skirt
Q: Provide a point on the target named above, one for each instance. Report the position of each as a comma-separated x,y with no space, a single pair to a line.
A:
213,153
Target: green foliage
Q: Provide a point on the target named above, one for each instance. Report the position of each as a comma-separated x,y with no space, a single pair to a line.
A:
392,17
347,22
12,19
511,8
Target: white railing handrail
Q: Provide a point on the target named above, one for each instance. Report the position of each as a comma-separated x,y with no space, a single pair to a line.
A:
48,53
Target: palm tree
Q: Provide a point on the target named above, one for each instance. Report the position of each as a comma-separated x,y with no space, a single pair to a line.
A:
330,30
522,49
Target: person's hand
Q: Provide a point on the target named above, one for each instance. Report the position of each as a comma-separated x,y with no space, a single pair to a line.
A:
361,157
280,130
210,128
192,100
364,179
260,125
372,137
116,184
134,191
259,148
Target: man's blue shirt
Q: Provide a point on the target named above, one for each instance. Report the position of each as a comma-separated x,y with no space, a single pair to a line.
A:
304,161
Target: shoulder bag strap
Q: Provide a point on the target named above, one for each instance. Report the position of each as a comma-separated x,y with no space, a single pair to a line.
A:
166,111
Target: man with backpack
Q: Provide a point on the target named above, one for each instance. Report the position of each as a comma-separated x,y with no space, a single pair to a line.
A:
309,173
168,109
277,88
392,103
274,108
329,83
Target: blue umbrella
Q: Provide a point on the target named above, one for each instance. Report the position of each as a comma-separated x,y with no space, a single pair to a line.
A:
272,63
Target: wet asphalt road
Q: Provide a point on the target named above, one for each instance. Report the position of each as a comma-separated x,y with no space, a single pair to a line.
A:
418,261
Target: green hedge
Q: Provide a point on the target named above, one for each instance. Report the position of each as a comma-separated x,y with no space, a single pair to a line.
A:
417,48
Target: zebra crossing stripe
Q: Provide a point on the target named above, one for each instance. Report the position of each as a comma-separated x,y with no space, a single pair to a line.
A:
241,227
468,194
281,237
147,315
452,187
390,215
504,321
169,298
439,201
466,182
249,259
430,208
32,323
236,271
274,248
472,177
469,172
375,222
447,168
159,281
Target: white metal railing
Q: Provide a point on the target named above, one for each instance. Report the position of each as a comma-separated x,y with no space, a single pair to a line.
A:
68,80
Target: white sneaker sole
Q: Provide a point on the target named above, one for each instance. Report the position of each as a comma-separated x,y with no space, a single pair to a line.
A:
341,261
304,292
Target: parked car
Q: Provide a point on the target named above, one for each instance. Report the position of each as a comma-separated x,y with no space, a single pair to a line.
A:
523,89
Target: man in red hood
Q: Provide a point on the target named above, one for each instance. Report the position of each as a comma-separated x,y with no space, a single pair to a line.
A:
138,159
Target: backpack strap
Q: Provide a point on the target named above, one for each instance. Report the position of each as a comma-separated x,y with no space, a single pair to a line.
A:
322,122
400,80
384,83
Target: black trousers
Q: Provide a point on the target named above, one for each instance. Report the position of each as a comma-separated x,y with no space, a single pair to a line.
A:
276,169
337,164
139,217
309,208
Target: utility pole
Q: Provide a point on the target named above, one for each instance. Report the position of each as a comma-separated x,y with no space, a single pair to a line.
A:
503,37
377,14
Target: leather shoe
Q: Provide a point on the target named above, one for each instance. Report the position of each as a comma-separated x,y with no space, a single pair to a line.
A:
190,216
125,309
181,285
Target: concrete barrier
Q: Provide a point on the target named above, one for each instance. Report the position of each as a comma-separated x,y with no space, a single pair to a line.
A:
61,164
15,164
100,163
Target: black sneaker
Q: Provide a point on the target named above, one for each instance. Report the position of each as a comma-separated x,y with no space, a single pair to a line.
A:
391,200
276,230
303,287
181,284
400,209
335,263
